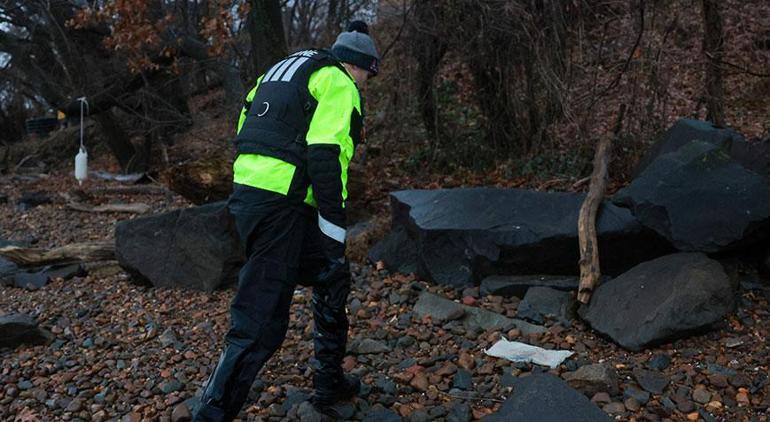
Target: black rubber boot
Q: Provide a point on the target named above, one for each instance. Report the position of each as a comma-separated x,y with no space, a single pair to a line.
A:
328,394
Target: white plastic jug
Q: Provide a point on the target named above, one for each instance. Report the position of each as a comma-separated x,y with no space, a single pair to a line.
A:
81,166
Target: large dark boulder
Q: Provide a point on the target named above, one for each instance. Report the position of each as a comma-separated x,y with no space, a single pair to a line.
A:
460,236
194,248
18,329
543,397
753,155
664,299
700,199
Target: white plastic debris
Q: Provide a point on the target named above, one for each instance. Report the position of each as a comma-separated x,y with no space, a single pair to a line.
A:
81,166
521,352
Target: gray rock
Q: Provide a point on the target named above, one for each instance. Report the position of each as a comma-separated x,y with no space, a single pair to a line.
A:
642,397
441,309
36,278
307,413
542,302
379,414
419,416
660,300
66,272
367,346
438,308
195,248
170,386
699,199
652,381
29,200
168,338
294,396
660,361
459,412
518,285
460,236
74,406
18,329
30,280
405,341
7,269
544,397
463,379
181,413
592,379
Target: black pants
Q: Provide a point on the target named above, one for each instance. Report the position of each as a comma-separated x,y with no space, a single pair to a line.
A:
283,248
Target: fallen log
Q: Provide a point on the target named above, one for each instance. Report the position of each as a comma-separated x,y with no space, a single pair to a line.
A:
69,254
129,190
136,208
590,271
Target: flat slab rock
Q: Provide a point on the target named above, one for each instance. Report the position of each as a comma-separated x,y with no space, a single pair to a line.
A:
442,310
700,199
18,329
545,397
460,236
193,248
661,300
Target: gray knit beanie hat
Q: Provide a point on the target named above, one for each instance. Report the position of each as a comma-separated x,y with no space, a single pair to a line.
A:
354,46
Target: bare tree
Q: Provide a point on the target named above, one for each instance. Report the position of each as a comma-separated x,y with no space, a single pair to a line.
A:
268,42
713,42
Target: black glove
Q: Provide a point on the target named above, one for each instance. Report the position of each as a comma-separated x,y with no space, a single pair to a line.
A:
333,272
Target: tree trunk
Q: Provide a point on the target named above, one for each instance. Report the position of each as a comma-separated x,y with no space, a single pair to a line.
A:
118,142
268,42
713,41
429,50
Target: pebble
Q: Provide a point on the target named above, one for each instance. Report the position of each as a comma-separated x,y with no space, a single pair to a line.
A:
701,395
419,381
181,413
601,398
459,412
132,417
463,380
640,396
466,361
171,386
631,404
74,406
614,408
660,361
405,341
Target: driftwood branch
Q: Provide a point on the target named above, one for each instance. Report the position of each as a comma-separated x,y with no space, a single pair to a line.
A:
69,254
590,270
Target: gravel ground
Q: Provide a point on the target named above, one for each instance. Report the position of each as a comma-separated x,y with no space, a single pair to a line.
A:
131,352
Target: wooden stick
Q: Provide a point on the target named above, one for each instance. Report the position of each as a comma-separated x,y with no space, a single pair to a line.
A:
590,270
77,252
